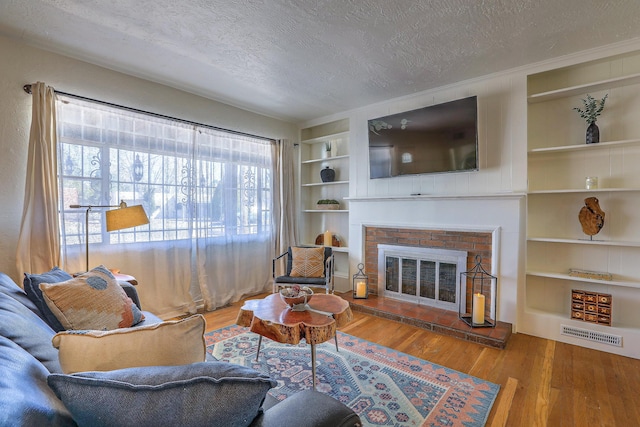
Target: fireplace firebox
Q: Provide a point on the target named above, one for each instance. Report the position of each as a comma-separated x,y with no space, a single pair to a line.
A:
427,276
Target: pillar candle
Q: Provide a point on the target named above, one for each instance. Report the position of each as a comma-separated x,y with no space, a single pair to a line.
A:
361,289
328,238
478,309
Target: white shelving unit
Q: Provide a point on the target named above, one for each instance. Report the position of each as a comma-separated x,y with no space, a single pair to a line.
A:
558,163
313,159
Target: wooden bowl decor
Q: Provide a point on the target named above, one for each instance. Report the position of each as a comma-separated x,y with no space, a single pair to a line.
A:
296,297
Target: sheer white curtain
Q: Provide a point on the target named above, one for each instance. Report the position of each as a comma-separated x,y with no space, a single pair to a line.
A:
206,192
39,242
233,180
108,155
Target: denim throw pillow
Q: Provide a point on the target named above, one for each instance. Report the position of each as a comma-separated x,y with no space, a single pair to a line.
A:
200,394
31,286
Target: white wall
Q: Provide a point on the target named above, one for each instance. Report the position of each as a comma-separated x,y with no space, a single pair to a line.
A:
22,64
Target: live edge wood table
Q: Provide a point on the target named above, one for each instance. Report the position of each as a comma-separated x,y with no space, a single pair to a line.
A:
272,318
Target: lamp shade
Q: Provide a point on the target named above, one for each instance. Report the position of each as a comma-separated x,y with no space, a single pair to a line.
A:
126,217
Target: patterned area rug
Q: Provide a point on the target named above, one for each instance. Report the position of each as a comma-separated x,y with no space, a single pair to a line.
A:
385,387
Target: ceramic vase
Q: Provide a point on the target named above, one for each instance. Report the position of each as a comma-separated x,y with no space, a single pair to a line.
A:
593,134
327,174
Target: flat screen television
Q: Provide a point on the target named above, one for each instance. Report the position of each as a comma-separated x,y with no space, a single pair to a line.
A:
435,139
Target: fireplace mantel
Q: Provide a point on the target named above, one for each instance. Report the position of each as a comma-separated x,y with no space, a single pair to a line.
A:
422,197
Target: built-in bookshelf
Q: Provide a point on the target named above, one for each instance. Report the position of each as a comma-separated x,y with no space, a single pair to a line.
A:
315,220
559,161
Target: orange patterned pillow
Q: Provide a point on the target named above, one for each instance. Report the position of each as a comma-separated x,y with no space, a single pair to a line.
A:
93,300
307,262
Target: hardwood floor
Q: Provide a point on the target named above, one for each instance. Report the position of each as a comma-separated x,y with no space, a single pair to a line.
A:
543,383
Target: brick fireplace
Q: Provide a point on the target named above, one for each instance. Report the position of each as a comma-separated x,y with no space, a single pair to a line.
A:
429,318
489,225
475,243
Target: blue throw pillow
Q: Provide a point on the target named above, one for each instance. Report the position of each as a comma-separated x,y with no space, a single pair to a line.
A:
199,394
32,288
25,397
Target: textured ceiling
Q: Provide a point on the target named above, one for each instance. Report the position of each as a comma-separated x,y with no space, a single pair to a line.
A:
301,59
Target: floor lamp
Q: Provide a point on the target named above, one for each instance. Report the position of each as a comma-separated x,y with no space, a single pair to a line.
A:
117,219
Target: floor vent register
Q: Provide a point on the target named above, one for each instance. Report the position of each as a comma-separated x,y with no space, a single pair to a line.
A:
601,337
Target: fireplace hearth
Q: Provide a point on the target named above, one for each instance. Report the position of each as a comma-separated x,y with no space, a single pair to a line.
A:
436,320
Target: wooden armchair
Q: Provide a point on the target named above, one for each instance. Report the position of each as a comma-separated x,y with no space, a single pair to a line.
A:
287,279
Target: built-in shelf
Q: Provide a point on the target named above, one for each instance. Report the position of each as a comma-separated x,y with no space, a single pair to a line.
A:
318,184
584,88
583,190
341,249
576,147
419,197
326,159
561,276
325,138
326,211
564,318
628,244
556,172
312,160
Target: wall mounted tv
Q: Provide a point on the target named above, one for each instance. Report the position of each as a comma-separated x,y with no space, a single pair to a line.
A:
434,139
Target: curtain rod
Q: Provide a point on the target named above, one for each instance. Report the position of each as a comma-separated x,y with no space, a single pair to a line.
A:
27,89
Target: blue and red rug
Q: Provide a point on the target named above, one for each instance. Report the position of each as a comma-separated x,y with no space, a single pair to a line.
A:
385,387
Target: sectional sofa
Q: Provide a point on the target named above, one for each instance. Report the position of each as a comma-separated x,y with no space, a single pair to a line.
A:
44,381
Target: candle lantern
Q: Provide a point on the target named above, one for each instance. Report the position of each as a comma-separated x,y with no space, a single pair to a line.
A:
477,302
360,283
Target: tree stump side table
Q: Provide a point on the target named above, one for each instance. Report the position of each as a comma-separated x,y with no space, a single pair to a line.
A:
272,318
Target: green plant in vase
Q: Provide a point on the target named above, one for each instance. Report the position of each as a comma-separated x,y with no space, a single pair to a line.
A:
592,108
327,149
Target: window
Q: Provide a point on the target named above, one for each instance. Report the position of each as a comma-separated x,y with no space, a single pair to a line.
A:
192,181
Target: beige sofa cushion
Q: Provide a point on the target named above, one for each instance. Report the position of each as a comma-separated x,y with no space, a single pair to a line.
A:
178,342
